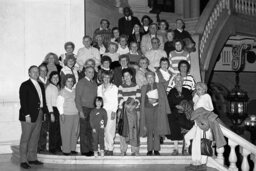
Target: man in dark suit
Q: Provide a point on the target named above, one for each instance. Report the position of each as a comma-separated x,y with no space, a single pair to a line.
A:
32,102
126,23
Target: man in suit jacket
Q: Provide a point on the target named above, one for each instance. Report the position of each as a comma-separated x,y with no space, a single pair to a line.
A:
126,23
32,102
146,39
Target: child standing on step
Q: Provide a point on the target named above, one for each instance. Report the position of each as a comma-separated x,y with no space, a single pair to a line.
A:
98,121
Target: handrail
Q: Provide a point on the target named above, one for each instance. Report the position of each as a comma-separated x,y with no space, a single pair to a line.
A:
238,139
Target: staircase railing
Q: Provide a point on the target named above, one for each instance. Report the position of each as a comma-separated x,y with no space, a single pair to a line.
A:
218,11
246,149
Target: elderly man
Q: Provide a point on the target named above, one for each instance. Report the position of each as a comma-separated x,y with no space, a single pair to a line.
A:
155,54
33,105
86,92
87,52
146,39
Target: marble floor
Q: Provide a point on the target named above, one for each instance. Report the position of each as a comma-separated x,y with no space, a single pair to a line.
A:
7,165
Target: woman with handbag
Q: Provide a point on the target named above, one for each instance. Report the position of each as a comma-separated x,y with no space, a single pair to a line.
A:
128,112
200,132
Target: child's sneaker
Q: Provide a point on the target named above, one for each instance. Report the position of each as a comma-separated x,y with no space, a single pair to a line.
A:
95,153
102,153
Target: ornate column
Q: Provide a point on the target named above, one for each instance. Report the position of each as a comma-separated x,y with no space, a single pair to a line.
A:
195,8
186,8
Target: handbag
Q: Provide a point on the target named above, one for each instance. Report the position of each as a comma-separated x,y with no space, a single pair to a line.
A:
206,146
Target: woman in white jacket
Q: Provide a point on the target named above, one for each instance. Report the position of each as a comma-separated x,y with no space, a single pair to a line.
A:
200,99
109,93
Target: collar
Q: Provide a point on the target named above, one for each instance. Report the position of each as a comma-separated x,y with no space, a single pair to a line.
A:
129,18
87,78
107,69
33,81
180,30
68,89
43,80
124,67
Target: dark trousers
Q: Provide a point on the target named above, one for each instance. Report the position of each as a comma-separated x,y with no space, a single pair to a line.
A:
54,133
43,134
98,138
86,132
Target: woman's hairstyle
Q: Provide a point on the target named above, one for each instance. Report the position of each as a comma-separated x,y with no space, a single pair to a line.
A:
68,76
107,73
170,31
133,42
86,36
149,19
164,59
46,59
69,57
144,58
181,42
113,43
186,63
53,73
129,70
106,21
89,60
98,99
113,29
165,22
69,44
202,85
123,36
124,56
106,58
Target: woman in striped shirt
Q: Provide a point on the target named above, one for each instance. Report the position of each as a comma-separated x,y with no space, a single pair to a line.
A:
129,91
188,79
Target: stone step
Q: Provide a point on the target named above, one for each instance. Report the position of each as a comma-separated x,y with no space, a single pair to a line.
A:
116,159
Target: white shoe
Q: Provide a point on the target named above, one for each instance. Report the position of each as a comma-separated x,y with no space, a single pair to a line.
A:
102,153
96,154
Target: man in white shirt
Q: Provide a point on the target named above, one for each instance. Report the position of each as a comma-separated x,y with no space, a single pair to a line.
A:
33,105
87,52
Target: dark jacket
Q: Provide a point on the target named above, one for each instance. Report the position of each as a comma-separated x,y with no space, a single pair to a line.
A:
30,101
126,27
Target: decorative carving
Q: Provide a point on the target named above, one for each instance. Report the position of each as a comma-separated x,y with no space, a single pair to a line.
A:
238,53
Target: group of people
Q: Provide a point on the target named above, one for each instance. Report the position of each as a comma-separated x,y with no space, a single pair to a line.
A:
108,87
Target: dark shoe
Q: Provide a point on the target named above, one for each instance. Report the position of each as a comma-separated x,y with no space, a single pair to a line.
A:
74,152
190,168
133,154
110,153
156,153
25,165
36,162
149,153
65,154
106,153
91,153
52,151
161,140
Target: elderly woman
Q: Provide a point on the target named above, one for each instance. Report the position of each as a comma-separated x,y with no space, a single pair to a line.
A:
140,74
177,119
69,68
52,92
154,109
128,108
69,118
52,62
188,79
109,93
163,75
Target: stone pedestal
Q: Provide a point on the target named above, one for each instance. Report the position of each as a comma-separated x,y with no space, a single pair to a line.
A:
139,5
